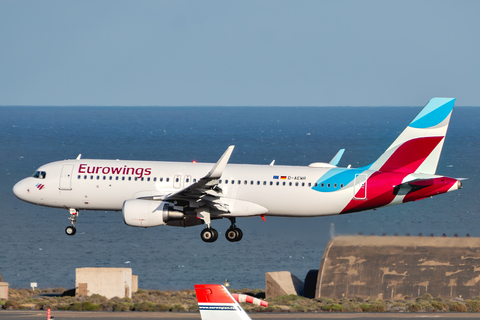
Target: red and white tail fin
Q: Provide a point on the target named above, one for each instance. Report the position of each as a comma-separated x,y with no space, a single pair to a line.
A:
418,148
217,303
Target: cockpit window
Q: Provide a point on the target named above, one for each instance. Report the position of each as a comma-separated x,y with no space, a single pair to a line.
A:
40,174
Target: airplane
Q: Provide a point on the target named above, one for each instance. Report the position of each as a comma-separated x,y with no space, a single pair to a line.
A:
183,194
217,303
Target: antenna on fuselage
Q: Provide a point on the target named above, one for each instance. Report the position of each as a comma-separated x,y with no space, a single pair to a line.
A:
79,156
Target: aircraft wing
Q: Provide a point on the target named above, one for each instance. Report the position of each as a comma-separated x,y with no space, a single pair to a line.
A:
206,189
207,193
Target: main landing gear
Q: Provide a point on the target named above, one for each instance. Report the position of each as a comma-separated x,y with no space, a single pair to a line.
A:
71,230
233,234
209,234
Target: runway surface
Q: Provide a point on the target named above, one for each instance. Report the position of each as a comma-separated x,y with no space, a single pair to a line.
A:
59,315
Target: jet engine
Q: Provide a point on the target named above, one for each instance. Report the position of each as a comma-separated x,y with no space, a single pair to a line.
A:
149,213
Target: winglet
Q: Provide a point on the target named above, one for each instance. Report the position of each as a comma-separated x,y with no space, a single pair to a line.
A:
337,157
218,168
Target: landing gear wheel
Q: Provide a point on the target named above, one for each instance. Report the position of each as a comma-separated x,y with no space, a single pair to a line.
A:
215,235
234,234
209,235
70,230
240,234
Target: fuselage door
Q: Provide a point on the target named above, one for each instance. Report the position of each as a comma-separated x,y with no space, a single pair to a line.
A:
66,177
360,187
177,181
187,180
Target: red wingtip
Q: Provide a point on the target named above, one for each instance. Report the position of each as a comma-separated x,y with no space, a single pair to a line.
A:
263,217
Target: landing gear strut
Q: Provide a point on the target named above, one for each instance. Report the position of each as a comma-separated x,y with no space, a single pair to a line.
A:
208,234
233,234
71,230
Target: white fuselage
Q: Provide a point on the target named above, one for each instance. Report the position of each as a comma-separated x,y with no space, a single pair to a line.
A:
91,185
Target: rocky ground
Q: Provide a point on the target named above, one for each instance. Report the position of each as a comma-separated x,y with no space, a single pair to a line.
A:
185,301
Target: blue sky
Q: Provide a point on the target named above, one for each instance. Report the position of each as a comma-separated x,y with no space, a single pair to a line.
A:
238,53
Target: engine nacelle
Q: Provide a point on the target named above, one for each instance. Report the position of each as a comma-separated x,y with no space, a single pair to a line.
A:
149,213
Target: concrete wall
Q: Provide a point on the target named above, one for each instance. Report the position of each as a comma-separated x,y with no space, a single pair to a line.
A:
108,282
134,284
4,290
393,267
281,283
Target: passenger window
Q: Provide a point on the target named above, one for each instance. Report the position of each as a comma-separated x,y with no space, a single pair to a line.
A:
264,183
226,181
309,184
176,180
104,177
328,185
251,182
245,182
155,179
194,180
148,179
123,178
341,185
335,185
111,178
271,183
284,183
258,183
239,182
315,185
161,179
91,177
136,178
79,176
233,181
322,185
290,184
168,179
296,184
278,183
116,178
85,177
303,184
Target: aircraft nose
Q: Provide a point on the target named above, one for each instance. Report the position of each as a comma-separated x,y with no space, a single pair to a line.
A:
20,190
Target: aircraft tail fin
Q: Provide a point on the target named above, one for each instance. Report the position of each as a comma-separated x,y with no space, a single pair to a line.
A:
417,149
217,303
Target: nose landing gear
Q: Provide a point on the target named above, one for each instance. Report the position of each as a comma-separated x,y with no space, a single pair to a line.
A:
71,230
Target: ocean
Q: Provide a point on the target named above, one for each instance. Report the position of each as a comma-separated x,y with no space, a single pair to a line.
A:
35,248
